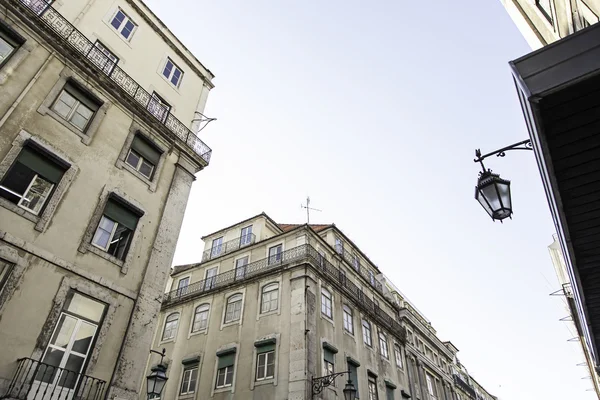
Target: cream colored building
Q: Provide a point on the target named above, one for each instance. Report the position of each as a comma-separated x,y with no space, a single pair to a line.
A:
545,21
271,306
100,107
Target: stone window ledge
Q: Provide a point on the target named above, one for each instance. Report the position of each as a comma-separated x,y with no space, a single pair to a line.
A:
85,247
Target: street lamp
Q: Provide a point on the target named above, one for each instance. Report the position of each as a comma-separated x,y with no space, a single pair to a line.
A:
318,384
158,377
493,192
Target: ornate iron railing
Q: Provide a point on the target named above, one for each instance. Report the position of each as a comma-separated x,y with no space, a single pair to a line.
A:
362,270
297,254
228,247
45,15
34,380
458,381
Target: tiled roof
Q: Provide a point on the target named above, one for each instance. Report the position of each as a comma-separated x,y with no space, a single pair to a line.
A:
315,227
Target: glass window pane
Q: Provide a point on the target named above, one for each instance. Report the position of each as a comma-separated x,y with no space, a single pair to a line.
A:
36,196
81,117
85,307
146,168
53,358
69,375
168,68
120,241
118,19
63,331
221,377
5,49
83,338
126,32
133,159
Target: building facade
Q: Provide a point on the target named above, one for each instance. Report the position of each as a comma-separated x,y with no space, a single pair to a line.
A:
545,21
100,106
271,306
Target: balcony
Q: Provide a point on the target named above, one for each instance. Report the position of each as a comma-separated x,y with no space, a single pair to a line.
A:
304,253
228,247
66,37
464,386
34,380
349,257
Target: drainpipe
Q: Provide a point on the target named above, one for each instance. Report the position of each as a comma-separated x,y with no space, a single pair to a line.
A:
16,103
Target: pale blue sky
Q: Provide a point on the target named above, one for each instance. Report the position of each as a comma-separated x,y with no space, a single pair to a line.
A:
375,110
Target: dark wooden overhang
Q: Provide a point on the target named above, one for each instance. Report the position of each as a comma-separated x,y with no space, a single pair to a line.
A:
559,90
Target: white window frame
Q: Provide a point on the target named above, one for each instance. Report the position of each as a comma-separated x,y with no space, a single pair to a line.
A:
269,289
367,329
226,370
383,346
205,309
277,257
23,197
348,317
339,245
141,161
186,370
246,238
265,366
70,114
326,303
172,330
398,355
111,236
172,73
229,303
122,24
240,270
210,284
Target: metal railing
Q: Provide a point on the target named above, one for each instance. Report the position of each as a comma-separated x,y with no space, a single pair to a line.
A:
34,380
362,270
297,254
458,381
228,247
46,16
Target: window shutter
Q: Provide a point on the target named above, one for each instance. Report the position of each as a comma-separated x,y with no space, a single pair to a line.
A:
389,393
121,214
328,356
41,164
353,376
265,348
146,149
226,360
83,96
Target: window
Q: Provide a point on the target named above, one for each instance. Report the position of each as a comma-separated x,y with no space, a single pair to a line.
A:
31,179
5,269
115,229
348,320
75,106
225,369
172,72
103,58
428,353
10,41
389,392
217,247
545,7
398,355
431,386
188,380
352,369
265,362
339,246
182,286
371,278
240,267
170,326
210,278
246,236
356,262
72,340
322,257
373,388
275,253
270,298
367,333
158,107
123,24
200,318
383,345
435,358
326,309
234,308
328,362
143,156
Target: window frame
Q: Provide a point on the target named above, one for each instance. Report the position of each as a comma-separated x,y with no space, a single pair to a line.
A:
326,303
372,384
269,288
240,270
137,147
277,257
398,356
122,24
367,327
213,253
123,204
12,38
190,369
348,319
230,302
173,329
226,373
71,88
265,366
174,68
383,345
246,239
200,309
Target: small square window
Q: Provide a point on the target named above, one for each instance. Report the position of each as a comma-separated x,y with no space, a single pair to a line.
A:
143,156
10,41
172,72
123,24
115,229
75,106
31,179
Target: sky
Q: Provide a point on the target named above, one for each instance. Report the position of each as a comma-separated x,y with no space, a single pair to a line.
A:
374,110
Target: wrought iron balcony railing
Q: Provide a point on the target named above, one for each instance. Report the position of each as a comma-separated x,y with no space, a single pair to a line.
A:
362,270
228,247
458,381
44,15
34,380
297,254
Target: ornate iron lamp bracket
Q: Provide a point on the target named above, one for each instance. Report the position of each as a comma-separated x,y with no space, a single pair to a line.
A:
523,145
318,384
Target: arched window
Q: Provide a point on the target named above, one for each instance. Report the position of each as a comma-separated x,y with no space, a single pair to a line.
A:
234,308
326,305
348,320
200,318
270,298
170,326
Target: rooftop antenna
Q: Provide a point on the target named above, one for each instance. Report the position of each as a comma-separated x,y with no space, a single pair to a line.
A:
308,209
